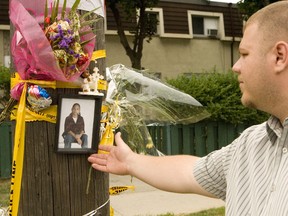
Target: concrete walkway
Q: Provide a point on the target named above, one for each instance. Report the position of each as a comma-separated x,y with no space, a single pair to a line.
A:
146,200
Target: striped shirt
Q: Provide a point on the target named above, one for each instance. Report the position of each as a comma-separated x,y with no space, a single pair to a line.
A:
250,174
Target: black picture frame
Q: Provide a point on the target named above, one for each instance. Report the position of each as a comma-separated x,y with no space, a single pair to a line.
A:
90,111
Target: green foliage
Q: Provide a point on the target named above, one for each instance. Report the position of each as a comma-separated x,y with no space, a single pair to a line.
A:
5,78
4,192
219,93
249,7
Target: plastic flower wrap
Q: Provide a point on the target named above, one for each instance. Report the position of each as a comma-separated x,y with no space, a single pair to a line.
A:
50,43
143,100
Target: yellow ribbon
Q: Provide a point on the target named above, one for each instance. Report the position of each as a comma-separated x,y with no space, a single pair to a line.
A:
18,155
98,54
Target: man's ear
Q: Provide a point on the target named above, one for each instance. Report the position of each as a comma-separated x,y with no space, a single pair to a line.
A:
281,51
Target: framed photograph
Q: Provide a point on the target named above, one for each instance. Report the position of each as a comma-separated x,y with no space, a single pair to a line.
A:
78,124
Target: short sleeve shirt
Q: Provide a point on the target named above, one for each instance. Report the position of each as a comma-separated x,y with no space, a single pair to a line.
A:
250,174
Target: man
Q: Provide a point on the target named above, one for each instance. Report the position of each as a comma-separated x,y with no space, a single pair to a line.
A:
74,131
250,174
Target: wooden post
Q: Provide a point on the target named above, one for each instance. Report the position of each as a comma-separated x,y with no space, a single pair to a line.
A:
55,184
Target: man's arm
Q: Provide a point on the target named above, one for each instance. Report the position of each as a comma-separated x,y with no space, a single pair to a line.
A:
169,173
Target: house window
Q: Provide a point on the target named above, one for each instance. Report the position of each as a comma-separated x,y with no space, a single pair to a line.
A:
198,25
206,24
153,22
154,16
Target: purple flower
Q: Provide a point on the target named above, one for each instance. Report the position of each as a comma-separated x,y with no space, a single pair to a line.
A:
68,40
54,37
63,44
71,52
68,20
60,31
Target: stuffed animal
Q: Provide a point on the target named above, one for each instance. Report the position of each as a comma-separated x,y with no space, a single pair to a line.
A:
87,79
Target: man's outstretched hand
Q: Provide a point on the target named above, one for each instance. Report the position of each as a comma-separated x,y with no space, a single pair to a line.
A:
116,160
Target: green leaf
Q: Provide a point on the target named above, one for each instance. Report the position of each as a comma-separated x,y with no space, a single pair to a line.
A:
46,13
87,41
56,8
63,9
88,13
88,22
75,5
46,9
54,12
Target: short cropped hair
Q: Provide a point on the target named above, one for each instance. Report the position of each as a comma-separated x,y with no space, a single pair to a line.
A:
272,22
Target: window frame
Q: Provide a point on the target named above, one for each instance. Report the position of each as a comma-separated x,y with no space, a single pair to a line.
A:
221,30
160,25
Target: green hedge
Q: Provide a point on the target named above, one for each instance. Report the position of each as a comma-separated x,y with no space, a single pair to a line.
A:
5,80
221,95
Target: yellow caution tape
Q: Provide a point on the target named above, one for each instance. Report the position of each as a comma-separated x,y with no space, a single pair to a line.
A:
98,54
18,155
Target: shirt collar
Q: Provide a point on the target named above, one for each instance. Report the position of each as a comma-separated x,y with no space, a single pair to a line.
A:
274,126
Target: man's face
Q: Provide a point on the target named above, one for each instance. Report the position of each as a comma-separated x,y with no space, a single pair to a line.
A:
253,69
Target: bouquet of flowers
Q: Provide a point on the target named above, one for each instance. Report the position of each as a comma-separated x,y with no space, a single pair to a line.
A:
50,42
137,99
64,37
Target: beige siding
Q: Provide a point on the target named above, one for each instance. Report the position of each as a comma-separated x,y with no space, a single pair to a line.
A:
171,57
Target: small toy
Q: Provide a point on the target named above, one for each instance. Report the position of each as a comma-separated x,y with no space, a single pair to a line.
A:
96,76
87,79
90,81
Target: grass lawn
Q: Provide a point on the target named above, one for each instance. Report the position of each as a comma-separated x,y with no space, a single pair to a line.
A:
209,212
4,192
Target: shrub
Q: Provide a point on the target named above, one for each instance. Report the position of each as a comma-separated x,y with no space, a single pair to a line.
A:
4,84
221,95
